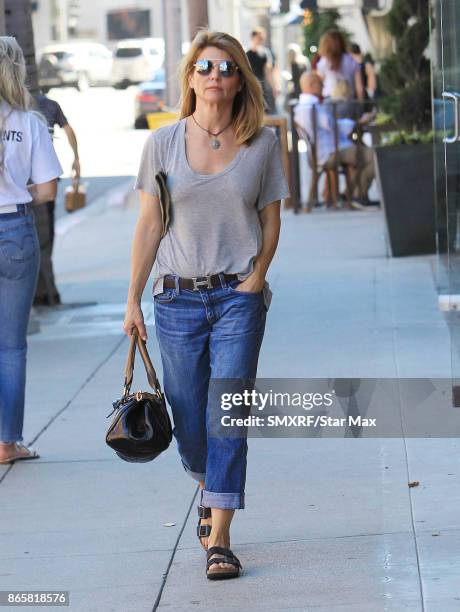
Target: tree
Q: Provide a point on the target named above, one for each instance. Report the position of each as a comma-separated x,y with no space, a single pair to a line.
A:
405,75
18,22
316,24
197,16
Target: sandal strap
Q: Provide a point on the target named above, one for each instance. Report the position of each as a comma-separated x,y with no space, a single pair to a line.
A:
204,512
229,560
227,556
203,531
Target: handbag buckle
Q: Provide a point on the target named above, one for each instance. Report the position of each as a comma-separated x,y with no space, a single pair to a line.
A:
206,282
139,396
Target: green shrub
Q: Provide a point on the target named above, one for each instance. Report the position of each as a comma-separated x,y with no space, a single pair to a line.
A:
405,75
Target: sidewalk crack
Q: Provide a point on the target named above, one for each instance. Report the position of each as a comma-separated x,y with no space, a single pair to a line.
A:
173,553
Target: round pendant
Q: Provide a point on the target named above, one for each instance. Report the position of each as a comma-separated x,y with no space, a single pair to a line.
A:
215,144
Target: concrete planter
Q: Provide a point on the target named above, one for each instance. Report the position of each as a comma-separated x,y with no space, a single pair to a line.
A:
405,174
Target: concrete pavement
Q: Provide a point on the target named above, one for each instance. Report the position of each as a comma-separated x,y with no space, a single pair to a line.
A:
329,525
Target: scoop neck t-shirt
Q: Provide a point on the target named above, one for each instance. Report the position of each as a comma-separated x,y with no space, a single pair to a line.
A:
215,225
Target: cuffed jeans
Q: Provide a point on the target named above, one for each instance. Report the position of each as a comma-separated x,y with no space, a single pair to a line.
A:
19,263
203,335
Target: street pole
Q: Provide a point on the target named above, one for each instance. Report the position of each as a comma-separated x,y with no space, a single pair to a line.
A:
197,16
173,49
63,24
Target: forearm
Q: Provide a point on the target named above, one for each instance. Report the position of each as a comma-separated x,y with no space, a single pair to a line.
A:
270,237
72,140
145,245
43,192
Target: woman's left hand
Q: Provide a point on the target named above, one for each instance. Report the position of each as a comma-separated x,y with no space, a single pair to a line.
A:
254,283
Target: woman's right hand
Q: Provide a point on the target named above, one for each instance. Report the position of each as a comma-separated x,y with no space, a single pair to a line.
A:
134,320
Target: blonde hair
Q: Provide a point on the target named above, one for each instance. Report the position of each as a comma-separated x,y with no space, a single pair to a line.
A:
248,105
12,81
294,54
342,90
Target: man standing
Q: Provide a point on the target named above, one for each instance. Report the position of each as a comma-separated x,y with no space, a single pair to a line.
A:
261,61
46,293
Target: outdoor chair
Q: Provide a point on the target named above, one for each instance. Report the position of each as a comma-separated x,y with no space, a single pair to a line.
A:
332,173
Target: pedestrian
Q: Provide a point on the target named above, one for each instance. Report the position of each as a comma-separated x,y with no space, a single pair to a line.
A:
225,177
366,66
336,64
28,171
261,61
297,64
360,159
46,293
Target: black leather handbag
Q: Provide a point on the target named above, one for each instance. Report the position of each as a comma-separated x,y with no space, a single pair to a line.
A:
141,428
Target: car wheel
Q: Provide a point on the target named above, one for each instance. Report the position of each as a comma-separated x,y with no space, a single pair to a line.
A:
83,82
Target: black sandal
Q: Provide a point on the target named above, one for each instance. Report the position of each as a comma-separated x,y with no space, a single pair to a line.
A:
203,531
220,573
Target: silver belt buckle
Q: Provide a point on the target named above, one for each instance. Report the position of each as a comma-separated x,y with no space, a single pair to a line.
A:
206,282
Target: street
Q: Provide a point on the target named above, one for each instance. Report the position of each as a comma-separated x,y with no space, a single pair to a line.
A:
109,146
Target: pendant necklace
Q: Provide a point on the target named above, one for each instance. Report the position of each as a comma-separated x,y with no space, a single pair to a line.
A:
215,144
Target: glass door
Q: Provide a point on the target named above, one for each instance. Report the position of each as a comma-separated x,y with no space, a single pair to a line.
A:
446,119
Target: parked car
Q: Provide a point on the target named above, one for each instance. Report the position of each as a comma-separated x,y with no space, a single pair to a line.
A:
149,98
77,64
136,60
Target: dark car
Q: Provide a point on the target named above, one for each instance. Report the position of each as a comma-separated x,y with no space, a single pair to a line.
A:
150,98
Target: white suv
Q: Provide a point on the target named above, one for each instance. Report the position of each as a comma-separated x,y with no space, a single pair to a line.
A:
135,61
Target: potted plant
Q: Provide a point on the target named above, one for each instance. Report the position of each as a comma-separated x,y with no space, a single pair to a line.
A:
404,161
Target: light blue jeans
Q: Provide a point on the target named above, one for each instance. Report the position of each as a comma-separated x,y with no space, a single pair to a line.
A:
203,335
19,263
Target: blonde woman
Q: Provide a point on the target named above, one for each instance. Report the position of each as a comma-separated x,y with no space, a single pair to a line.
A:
225,177
28,171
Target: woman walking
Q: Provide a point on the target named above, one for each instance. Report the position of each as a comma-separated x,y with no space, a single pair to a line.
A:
225,178
28,171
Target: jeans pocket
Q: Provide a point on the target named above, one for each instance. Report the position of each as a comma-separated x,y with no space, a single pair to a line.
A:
19,250
231,288
19,243
165,297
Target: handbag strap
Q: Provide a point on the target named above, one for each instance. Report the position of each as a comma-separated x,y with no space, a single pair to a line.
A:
129,369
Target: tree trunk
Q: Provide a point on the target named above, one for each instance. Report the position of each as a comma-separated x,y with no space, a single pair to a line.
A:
197,16
18,21
173,49
2,18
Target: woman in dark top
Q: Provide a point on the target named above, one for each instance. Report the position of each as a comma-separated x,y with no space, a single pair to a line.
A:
367,71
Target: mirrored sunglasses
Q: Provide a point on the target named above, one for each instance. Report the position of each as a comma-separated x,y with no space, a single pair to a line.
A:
227,68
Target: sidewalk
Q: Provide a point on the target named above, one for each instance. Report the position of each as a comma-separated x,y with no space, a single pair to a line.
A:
329,525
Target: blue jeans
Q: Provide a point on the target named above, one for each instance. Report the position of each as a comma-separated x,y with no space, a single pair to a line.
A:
19,262
210,333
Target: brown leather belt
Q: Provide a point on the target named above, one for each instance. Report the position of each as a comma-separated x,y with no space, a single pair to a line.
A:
198,282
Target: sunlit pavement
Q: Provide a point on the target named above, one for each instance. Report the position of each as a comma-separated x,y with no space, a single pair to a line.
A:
109,146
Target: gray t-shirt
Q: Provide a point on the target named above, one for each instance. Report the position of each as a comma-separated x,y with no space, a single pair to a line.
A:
214,225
